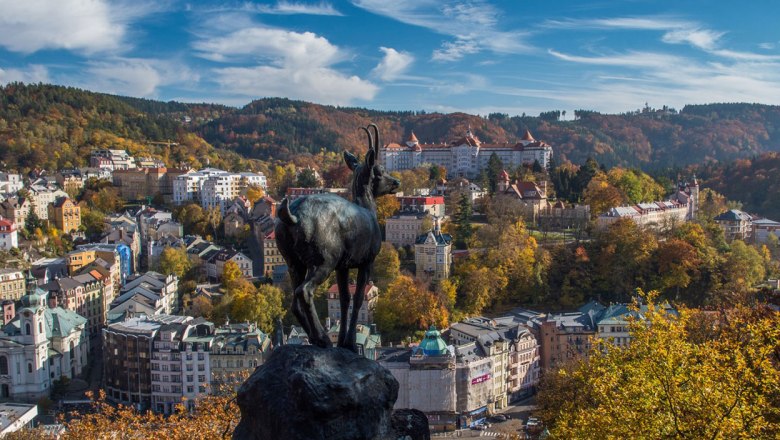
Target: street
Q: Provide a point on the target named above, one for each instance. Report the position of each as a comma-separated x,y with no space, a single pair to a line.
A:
518,413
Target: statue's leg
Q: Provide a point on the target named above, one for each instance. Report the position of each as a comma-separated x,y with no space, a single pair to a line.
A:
357,302
342,278
297,275
314,277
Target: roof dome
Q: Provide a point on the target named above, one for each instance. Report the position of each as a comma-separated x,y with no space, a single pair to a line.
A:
35,296
433,344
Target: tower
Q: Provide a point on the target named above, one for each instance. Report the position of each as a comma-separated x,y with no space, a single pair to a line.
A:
693,188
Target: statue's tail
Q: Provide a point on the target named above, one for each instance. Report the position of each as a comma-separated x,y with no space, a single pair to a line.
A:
285,215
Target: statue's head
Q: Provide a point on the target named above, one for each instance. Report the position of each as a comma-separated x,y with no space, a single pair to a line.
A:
370,175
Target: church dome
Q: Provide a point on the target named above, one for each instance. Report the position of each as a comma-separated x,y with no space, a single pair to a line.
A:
433,344
35,296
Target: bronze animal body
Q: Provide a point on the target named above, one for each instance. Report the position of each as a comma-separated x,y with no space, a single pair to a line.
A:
320,233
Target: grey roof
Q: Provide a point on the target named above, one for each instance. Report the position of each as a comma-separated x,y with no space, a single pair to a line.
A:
734,215
61,322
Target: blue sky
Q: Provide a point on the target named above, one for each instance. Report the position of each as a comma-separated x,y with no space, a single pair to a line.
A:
475,56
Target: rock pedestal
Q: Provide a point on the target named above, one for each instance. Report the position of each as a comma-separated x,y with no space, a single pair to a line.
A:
304,392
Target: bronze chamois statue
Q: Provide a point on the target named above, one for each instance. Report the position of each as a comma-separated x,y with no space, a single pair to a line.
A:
320,233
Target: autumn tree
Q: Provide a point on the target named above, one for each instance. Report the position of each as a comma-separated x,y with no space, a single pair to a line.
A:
671,383
408,308
174,260
622,259
231,274
743,267
254,193
387,266
200,306
386,206
602,195
678,265
636,186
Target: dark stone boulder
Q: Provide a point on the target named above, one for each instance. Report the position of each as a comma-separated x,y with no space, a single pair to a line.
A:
410,424
305,392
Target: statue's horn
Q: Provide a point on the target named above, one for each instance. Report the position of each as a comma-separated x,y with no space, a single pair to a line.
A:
370,138
376,138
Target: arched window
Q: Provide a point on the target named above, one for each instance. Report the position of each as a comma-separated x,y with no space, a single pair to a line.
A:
29,367
40,327
27,328
3,365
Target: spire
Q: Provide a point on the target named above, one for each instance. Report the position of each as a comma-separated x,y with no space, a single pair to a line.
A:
32,283
527,136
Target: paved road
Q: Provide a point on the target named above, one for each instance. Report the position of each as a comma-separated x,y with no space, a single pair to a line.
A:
518,413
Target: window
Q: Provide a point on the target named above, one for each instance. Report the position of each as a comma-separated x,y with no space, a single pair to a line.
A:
201,378
3,365
29,367
27,328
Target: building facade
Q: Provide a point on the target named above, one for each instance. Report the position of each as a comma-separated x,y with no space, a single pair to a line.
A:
9,237
65,214
366,312
681,207
12,284
464,157
433,254
40,345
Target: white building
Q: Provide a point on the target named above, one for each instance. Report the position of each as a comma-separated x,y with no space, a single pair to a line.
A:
213,187
464,157
111,160
41,197
40,345
9,238
681,207
10,183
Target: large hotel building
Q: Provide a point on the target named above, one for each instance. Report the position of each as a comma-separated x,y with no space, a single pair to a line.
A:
464,157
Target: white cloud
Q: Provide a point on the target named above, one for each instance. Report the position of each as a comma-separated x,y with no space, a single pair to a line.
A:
279,46
136,76
289,8
666,79
455,50
285,63
393,65
701,38
318,84
474,25
34,73
82,25
677,31
630,59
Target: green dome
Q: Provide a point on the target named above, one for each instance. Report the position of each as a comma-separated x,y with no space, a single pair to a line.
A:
35,296
433,344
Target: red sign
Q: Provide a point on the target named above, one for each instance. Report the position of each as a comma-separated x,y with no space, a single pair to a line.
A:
480,379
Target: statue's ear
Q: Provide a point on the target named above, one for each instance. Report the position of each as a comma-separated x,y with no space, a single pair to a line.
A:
370,158
351,160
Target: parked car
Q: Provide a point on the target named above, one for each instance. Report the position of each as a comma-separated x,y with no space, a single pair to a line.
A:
479,427
498,418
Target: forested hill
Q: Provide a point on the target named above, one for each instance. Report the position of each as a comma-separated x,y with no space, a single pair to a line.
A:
50,127
53,126
754,182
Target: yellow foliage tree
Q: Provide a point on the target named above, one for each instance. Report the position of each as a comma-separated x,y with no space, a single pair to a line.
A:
174,260
408,307
254,193
672,382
